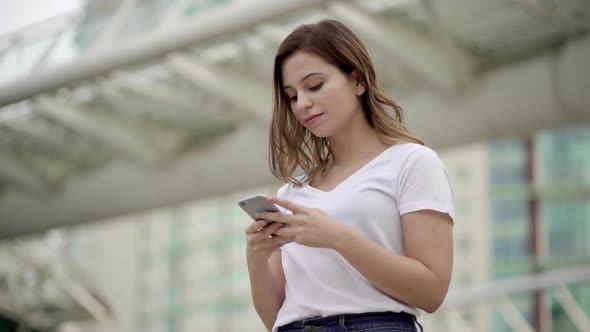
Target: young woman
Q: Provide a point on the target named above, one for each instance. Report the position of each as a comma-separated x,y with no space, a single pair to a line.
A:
370,221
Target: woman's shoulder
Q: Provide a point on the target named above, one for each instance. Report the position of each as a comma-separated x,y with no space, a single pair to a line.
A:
404,152
287,187
418,157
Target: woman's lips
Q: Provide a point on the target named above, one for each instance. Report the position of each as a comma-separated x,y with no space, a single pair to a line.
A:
313,118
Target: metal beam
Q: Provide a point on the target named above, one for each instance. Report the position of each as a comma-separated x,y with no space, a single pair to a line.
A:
42,60
114,24
412,49
239,92
114,98
166,104
456,322
83,297
105,130
572,309
40,137
258,51
461,62
513,316
272,32
158,92
40,30
13,303
61,275
173,13
540,7
31,130
13,171
517,285
233,17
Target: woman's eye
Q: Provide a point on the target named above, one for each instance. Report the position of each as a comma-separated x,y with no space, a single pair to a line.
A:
316,87
293,99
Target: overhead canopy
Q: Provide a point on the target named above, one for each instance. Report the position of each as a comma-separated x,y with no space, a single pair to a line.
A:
180,110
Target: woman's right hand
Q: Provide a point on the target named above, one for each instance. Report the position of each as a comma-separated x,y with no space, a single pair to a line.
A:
260,241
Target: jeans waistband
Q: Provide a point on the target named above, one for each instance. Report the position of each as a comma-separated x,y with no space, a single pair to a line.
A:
334,320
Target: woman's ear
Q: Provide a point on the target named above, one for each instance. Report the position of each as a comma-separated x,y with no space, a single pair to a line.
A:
360,87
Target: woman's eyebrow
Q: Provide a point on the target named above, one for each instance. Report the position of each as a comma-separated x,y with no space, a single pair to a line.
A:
303,79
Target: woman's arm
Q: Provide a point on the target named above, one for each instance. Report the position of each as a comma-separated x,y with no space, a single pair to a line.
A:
267,282
420,278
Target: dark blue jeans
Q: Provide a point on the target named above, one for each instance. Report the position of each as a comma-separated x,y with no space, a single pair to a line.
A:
372,321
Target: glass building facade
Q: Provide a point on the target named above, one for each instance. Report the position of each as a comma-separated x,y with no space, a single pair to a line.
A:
554,195
193,269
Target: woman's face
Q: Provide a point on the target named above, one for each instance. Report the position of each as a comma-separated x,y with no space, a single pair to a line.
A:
322,98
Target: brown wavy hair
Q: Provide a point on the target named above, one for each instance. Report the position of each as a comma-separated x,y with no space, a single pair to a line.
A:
291,144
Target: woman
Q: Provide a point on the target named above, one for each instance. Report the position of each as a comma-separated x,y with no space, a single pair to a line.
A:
370,221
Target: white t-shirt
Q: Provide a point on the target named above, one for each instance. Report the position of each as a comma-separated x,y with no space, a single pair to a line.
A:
404,178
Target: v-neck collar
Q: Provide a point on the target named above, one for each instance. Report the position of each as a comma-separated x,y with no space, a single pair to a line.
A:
358,171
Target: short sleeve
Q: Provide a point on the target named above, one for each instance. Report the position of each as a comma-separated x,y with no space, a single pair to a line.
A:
423,184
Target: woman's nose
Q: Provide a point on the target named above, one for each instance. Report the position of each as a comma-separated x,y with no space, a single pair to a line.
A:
303,102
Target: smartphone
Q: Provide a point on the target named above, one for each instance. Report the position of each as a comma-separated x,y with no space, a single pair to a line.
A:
257,203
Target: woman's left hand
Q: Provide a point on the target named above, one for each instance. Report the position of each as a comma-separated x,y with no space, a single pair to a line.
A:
308,226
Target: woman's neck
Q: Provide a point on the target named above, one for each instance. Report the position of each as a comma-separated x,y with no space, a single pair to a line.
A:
355,144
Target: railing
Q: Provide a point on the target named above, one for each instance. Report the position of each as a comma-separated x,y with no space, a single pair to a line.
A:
499,296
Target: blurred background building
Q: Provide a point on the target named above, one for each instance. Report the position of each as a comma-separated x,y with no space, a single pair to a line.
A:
129,129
